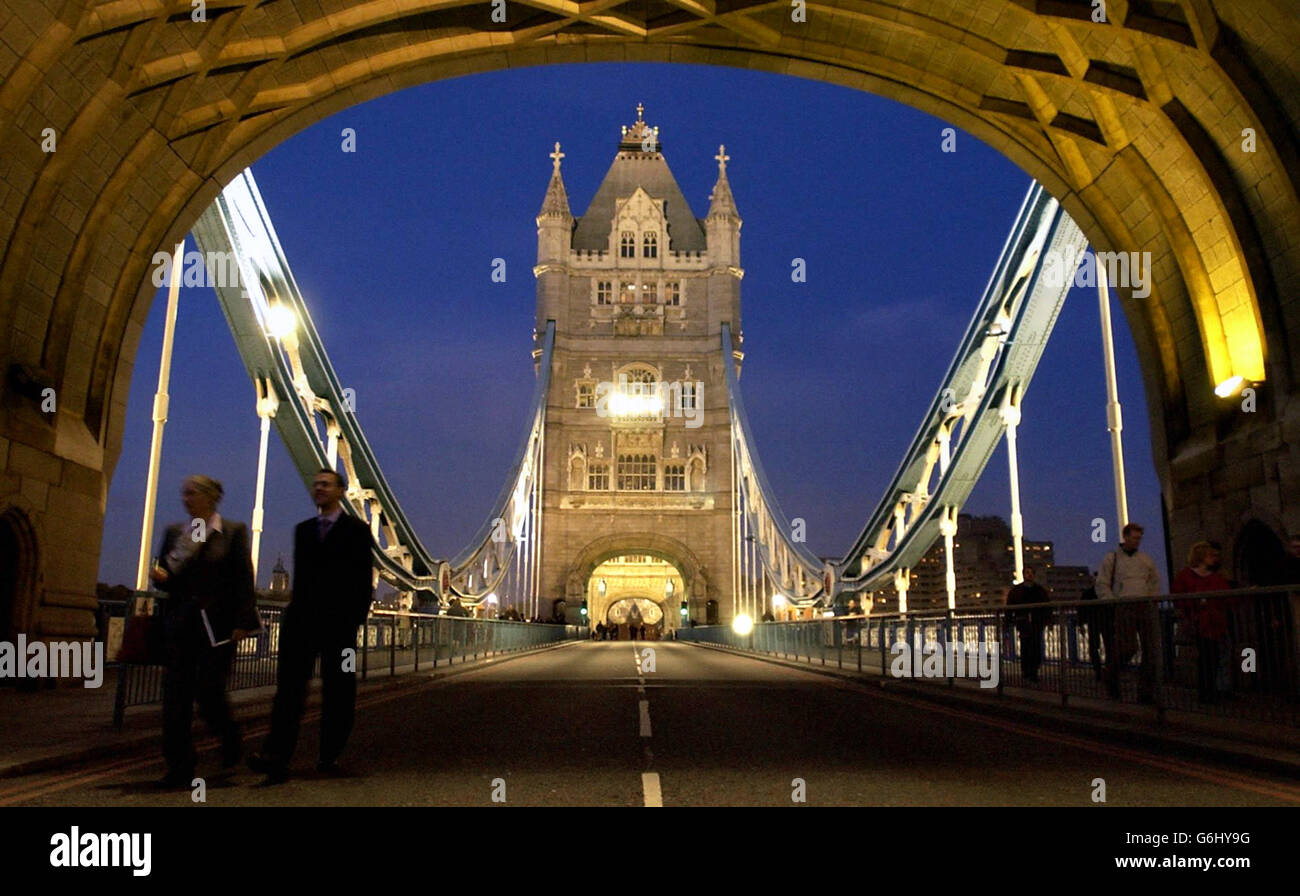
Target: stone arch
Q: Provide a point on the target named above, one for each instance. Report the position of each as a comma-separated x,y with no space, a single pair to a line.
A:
20,565
1259,554
695,579
1138,124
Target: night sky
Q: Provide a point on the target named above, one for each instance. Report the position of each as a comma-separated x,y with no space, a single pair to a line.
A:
392,247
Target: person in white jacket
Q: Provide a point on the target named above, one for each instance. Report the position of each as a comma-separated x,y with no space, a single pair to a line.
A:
1128,572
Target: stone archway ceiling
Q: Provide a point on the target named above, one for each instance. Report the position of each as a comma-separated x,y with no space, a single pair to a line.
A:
1135,123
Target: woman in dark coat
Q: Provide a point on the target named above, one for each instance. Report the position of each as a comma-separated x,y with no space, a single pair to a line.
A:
206,568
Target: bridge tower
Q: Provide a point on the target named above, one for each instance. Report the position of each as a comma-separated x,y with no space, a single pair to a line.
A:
637,494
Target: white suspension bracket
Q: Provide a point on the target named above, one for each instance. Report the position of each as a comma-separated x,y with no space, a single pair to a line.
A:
944,438
902,578
267,405
1010,414
948,528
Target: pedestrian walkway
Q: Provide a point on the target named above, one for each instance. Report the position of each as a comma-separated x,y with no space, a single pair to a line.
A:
1261,745
52,727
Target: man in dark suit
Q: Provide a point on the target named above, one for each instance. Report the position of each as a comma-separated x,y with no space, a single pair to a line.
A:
332,589
206,568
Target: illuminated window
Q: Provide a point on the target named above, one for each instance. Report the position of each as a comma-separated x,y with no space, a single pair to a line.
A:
586,395
650,293
675,478
627,245
672,293
637,394
598,477
636,472
688,397
627,292
650,245
604,293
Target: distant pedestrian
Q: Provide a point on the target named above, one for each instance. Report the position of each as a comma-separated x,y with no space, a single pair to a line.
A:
206,569
1031,623
454,608
852,625
1208,617
1128,572
332,588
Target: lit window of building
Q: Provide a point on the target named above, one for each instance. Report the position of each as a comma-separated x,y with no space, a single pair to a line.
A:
636,472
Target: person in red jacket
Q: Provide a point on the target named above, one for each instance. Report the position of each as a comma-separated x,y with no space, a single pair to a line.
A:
1208,616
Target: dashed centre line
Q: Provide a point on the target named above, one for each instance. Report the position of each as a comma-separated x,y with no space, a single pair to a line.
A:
654,797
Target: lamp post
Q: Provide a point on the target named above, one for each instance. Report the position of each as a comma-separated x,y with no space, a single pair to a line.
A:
1114,417
159,419
282,325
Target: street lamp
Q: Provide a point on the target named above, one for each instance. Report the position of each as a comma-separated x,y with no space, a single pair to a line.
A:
281,322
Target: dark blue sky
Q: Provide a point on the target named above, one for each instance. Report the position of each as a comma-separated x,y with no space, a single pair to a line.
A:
392,247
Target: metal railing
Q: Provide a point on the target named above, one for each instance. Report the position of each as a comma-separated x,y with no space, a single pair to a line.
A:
1229,654
392,639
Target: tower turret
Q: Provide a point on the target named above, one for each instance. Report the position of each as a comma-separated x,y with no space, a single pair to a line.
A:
722,225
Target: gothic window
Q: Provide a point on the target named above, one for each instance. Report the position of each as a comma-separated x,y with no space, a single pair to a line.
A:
650,293
675,477
627,245
586,395
688,398
604,292
672,293
598,476
627,292
636,472
650,245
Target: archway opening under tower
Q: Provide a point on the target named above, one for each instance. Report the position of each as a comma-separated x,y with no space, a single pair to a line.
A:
635,597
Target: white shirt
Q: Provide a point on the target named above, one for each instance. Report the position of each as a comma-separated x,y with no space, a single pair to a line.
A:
1134,575
186,544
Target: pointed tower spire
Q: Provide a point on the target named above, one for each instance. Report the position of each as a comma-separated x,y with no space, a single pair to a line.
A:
721,203
556,202
722,224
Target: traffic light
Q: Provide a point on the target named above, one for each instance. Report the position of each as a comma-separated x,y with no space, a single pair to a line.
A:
584,609
684,609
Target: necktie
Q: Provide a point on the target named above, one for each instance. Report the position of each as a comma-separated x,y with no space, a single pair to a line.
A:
324,527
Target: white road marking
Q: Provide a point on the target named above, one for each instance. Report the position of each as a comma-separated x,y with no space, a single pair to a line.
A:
654,797
645,718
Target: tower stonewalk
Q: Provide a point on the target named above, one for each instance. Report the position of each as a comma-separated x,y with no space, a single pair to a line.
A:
637,490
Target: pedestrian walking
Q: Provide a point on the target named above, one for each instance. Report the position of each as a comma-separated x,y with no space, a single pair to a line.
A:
1208,618
332,588
1030,624
1128,572
207,571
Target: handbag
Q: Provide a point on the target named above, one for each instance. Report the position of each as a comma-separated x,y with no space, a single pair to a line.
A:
142,641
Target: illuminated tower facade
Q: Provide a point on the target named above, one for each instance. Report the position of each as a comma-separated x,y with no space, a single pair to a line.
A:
637,495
